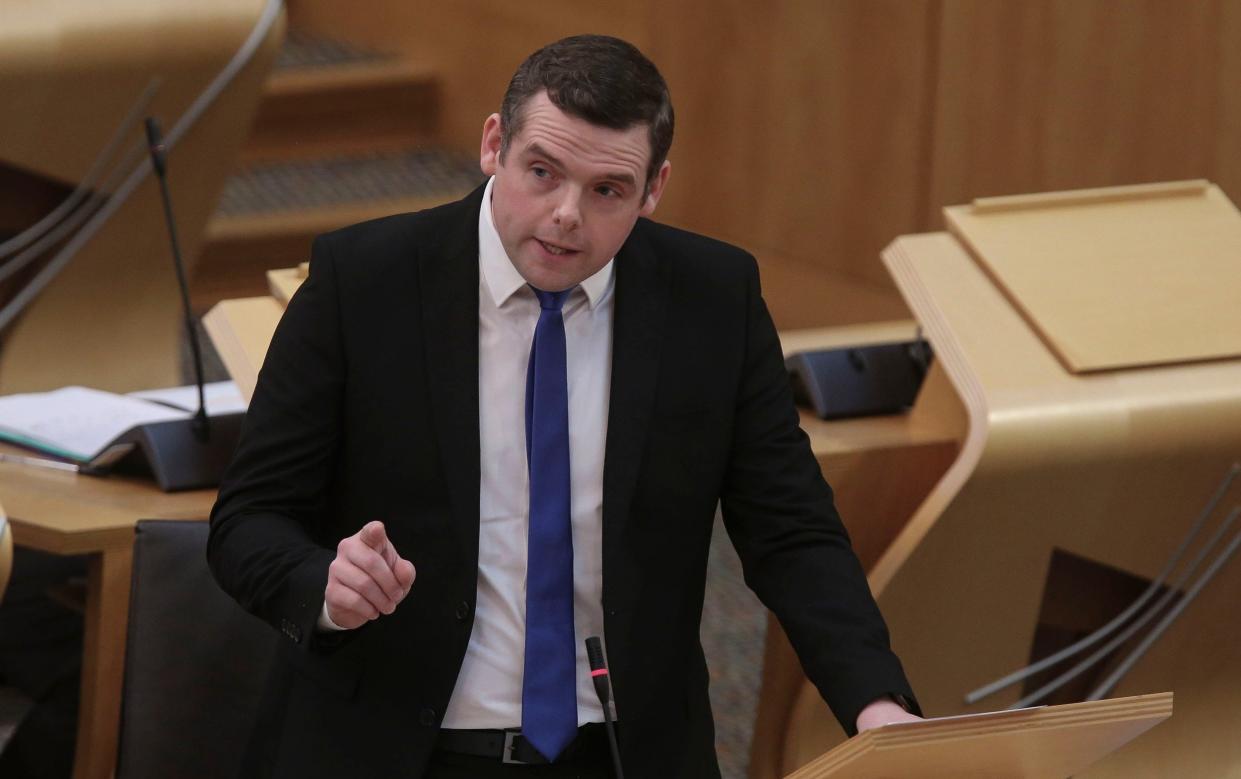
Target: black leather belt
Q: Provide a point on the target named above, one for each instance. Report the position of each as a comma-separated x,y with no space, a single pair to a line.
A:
509,746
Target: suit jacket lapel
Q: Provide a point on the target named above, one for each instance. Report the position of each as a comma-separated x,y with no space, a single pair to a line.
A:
638,323
448,277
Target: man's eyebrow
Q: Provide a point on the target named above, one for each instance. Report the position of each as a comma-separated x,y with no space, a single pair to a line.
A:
620,176
536,150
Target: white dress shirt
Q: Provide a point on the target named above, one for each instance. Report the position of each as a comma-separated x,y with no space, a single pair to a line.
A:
488,691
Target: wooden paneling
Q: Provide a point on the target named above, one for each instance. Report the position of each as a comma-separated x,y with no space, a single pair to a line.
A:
798,123
1067,94
812,132
112,317
1226,159
475,44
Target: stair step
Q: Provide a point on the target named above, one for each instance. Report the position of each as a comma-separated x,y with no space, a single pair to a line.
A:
346,179
330,97
270,213
303,50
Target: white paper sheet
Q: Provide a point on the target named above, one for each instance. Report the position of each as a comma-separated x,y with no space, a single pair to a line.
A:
223,397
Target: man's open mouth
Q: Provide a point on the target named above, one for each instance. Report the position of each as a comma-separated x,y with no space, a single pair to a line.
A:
554,249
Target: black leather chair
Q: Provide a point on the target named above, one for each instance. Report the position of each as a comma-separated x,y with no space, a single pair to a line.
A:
195,666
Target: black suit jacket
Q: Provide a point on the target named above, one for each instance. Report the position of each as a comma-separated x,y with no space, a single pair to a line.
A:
367,408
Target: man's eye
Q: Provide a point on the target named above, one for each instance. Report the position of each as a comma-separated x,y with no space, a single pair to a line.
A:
541,172
607,191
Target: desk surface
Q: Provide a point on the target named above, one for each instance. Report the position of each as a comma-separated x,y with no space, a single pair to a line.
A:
69,513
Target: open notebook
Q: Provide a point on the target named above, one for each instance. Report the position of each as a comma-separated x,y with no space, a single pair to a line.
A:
82,425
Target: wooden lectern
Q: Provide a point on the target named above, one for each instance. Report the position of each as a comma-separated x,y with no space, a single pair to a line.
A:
1050,742
1090,344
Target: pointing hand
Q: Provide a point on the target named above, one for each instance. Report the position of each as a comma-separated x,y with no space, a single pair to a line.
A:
367,578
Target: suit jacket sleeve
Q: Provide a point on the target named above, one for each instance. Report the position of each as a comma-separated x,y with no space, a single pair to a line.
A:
795,551
266,546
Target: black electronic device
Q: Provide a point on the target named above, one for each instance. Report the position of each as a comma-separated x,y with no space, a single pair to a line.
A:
859,381
174,455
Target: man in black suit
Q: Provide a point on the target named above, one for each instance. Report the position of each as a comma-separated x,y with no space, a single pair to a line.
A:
487,431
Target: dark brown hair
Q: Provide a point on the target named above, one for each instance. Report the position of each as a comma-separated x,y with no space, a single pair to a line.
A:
601,79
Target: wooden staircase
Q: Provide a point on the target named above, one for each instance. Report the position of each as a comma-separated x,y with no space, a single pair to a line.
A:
343,134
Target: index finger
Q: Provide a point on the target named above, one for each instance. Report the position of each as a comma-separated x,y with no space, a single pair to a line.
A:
372,564
374,535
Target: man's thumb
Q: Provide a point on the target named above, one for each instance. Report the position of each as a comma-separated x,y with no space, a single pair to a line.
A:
404,571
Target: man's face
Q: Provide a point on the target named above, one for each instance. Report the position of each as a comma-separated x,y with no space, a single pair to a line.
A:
567,193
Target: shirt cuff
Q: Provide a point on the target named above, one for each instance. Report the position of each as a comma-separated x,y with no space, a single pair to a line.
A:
325,622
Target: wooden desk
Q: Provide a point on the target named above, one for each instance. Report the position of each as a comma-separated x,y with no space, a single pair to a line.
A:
1089,450
65,513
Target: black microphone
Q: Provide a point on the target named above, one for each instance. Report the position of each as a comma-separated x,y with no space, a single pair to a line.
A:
599,675
155,142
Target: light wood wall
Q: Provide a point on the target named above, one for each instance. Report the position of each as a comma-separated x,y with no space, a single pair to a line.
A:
69,73
814,131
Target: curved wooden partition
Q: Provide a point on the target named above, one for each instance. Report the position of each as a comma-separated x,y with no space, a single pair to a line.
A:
1107,470
6,552
70,71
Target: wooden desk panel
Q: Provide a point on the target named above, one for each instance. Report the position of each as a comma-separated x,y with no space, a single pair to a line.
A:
66,513
1104,275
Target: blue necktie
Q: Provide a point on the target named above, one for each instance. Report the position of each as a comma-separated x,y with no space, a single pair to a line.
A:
549,686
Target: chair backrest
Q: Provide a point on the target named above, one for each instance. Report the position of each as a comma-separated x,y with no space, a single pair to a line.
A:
195,666
6,553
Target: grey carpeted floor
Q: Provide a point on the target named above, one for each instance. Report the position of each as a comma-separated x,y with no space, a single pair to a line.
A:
734,625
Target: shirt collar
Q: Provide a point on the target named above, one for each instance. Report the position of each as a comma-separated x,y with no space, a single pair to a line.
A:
501,276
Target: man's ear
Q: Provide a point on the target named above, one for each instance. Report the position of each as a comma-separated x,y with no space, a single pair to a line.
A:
489,151
658,182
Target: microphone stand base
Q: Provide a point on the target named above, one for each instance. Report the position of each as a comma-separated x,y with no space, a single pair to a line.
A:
174,455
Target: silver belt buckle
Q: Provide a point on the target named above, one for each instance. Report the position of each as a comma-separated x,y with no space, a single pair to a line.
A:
510,736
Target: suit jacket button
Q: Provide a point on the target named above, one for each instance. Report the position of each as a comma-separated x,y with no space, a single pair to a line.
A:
463,610
427,717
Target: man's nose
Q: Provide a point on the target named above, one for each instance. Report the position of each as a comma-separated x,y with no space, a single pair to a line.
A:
568,213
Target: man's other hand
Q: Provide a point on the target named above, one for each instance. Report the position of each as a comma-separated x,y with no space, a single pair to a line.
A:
884,711
367,578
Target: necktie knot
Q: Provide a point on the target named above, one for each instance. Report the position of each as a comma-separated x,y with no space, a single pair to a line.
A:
551,301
